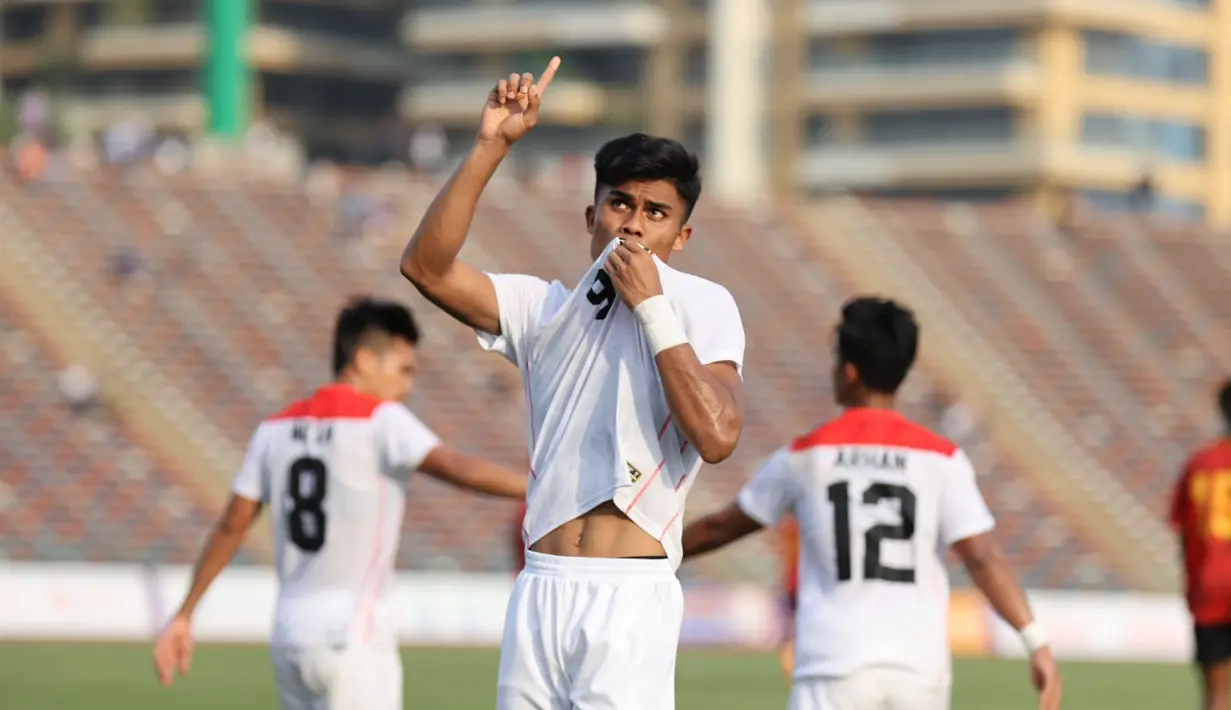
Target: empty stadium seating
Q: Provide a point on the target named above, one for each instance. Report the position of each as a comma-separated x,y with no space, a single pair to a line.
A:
229,287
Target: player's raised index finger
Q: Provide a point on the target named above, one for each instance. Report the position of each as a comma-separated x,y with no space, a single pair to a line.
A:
548,74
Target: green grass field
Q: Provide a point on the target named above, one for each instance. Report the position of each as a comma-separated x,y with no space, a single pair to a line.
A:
120,677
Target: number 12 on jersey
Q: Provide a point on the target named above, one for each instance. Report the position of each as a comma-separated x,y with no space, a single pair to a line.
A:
840,497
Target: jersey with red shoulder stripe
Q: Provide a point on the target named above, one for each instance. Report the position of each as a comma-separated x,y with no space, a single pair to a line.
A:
878,500
599,428
333,469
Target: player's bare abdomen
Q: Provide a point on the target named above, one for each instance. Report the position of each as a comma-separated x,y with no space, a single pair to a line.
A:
605,531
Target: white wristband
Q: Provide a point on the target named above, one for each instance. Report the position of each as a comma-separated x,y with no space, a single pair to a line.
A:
1033,637
659,323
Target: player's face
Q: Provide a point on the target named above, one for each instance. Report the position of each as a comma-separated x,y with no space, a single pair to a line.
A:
650,212
389,373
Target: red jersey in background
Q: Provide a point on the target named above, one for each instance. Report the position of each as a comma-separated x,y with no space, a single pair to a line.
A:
788,546
519,539
1201,514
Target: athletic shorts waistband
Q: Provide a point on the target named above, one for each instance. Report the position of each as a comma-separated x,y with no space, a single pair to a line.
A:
557,566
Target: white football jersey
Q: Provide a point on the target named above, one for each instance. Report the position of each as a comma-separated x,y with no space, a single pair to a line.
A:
878,500
333,469
598,422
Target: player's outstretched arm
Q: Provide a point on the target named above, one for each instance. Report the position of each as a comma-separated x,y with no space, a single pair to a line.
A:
429,260
718,530
473,473
991,573
173,650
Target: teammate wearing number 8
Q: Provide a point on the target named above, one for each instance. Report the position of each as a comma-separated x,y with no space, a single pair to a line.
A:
333,469
1201,514
878,500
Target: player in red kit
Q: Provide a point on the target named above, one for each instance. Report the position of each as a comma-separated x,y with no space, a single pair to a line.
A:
788,544
1201,514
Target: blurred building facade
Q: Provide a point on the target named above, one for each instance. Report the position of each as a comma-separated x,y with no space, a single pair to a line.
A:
327,70
1117,102
1114,102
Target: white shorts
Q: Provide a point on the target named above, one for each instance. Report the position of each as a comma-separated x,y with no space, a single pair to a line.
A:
591,634
359,677
869,689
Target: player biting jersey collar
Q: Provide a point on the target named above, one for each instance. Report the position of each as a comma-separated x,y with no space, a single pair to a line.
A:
632,381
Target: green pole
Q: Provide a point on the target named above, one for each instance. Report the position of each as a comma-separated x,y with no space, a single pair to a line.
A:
226,68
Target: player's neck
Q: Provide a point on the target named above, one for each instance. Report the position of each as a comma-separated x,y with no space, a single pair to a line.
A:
873,401
351,381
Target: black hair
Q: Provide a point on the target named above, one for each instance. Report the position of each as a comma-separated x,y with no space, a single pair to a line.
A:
880,338
366,322
641,157
1224,402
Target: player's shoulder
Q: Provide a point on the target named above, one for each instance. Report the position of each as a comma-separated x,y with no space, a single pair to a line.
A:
1212,453
335,401
875,428
689,288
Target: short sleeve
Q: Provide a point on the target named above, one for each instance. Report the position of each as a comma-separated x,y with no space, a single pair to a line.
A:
771,492
963,513
251,481
712,323
403,441
520,300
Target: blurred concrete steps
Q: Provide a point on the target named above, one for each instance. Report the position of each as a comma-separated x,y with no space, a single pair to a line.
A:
148,403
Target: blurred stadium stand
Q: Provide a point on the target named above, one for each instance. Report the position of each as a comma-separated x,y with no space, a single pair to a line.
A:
225,290
160,294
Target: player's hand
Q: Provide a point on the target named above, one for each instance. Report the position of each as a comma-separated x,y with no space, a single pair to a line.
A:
512,107
173,650
633,273
786,656
1046,678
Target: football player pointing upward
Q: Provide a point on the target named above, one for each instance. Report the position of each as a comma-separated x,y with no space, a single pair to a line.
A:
879,500
632,380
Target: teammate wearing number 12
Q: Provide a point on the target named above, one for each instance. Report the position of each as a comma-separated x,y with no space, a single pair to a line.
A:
1201,514
334,468
878,500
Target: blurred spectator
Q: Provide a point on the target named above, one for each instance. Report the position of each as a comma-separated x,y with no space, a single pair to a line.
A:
79,388
1141,197
125,263
34,112
127,141
171,155
30,157
429,146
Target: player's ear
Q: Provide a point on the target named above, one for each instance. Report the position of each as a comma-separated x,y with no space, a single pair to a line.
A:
365,361
682,238
850,374
590,219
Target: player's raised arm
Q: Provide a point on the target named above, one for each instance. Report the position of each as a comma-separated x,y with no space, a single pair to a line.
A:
173,650
429,260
